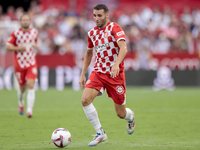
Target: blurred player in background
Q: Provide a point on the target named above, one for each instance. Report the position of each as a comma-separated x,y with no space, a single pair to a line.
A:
23,42
109,42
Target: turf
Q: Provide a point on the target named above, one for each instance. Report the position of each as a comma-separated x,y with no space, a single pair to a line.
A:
164,120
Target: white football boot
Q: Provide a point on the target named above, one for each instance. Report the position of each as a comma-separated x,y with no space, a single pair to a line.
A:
98,139
131,125
29,114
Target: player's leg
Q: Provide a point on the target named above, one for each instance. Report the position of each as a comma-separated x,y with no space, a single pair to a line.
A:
31,76
30,97
93,88
20,75
88,96
20,95
127,114
117,91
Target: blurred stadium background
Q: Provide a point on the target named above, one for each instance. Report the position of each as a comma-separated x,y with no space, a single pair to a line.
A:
159,33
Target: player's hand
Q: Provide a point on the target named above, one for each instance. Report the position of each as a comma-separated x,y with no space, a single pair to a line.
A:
21,48
114,71
36,46
82,82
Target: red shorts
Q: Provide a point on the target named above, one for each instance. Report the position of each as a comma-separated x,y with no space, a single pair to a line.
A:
24,74
115,87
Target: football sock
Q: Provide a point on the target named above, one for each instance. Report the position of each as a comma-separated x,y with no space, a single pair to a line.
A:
20,96
129,115
30,99
92,116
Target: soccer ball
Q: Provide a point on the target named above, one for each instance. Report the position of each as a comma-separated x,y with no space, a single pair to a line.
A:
61,137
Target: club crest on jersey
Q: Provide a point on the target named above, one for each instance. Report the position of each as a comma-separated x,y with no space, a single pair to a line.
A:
119,89
102,47
105,34
120,33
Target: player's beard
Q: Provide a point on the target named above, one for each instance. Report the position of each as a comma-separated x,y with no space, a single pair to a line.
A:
103,22
25,27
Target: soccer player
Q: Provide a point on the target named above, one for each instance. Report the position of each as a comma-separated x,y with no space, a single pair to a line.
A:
23,42
109,42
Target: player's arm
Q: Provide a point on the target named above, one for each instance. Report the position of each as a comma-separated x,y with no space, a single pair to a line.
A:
10,44
86,63
36,46
15,48
122,53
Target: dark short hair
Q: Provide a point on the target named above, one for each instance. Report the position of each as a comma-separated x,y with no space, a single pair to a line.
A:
101,6
24,14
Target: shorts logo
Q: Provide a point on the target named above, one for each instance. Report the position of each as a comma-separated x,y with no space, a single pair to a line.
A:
34,70
88,81
105,34
120,90
120,33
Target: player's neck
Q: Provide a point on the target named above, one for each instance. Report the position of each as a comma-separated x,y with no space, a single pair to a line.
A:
25,30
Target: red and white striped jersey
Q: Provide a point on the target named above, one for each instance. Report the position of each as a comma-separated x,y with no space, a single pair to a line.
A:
104,41
28,39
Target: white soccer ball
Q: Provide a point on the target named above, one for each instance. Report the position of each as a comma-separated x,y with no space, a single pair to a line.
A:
61,137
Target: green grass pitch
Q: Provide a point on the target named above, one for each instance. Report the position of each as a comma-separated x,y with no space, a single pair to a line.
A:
164,120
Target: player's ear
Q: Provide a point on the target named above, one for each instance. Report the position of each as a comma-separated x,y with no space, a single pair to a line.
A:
107,15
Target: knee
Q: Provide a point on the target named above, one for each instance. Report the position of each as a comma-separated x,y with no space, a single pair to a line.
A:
30,86
121,115
22,89
85,101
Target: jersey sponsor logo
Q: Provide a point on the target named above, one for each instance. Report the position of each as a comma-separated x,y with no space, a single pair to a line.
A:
102,47
120,33
119,89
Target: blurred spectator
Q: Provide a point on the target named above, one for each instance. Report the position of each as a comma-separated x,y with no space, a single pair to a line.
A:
72,11
39,18
10,15
19,12
1,10
165,18
198,43
146,14
64,25
51,11
124,18
186,16
163,44
196,16
171,31
35,7
135,18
